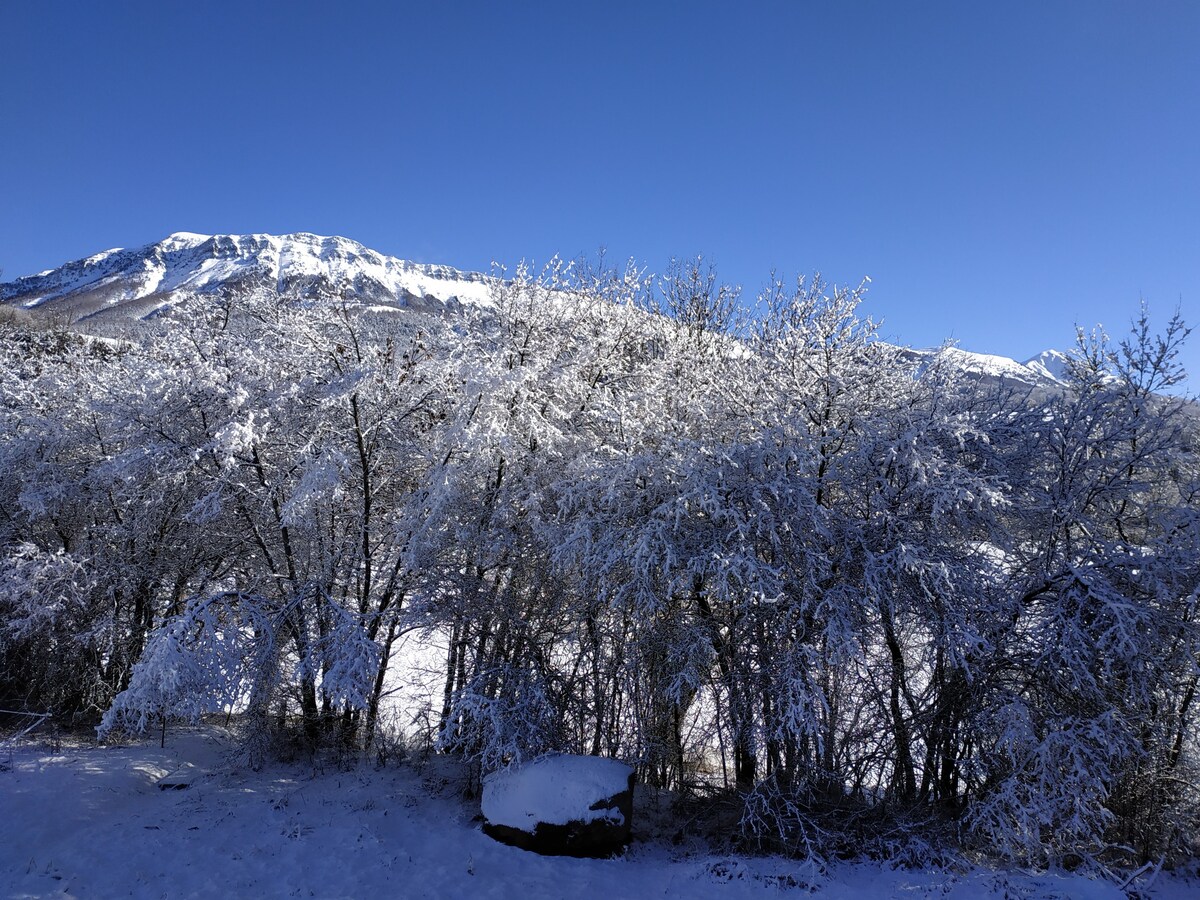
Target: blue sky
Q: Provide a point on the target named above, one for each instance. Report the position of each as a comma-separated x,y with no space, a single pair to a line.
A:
1001,171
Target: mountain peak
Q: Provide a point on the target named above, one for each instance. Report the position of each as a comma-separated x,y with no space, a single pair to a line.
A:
137,283
1043,371
1049,363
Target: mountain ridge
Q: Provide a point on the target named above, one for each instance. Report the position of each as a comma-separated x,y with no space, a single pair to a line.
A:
141,282
138,282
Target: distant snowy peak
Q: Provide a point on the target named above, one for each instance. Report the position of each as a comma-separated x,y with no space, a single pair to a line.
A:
1050,364
138,282
1047,369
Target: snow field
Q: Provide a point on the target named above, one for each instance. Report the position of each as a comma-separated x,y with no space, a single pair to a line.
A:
91,822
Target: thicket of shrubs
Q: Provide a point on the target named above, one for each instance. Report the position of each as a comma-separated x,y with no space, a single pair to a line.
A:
872,605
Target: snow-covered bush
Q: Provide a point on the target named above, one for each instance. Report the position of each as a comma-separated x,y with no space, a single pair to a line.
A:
201,661
223,653
498,727
50,640
776,817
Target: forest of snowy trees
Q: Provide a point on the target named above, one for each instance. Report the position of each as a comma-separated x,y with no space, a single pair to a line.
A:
874,605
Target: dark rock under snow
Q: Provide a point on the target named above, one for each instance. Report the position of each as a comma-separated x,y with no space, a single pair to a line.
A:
561,805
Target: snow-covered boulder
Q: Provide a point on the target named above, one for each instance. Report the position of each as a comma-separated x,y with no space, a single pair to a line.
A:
561,805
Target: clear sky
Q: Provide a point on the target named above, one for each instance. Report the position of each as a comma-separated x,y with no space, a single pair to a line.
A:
1001,171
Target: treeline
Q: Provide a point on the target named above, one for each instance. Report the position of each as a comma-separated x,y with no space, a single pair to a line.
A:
876,605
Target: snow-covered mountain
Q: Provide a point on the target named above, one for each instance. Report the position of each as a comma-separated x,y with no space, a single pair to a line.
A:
1049,363
138,283
1046,370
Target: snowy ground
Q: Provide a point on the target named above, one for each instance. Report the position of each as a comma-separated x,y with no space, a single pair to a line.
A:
90,822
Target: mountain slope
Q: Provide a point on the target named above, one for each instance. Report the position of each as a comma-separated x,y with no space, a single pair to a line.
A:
1045,371
137,283
1050,363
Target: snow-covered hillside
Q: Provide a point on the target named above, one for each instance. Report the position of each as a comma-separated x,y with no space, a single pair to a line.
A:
138,282
89,821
